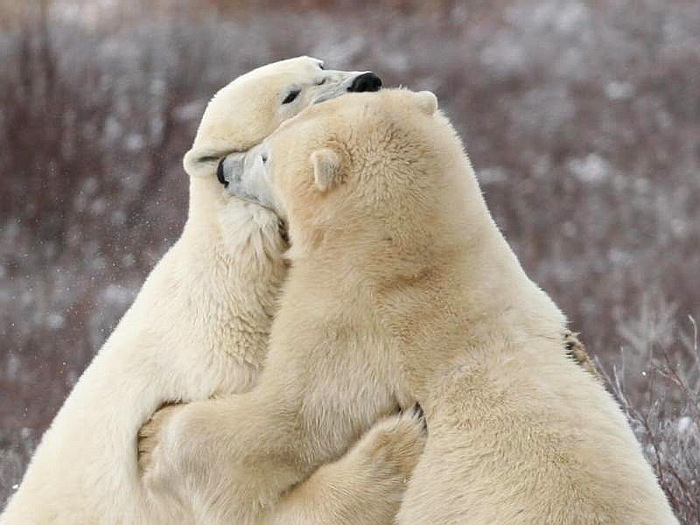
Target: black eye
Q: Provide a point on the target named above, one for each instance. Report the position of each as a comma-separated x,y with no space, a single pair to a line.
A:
292,96
321,66
264,158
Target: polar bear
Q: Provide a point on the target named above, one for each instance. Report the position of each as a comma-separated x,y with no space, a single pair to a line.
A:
199,328
402,289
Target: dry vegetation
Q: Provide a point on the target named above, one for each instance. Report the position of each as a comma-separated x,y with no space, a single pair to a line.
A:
582,119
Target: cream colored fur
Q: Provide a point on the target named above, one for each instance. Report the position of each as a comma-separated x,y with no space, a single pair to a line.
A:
198,328
403,288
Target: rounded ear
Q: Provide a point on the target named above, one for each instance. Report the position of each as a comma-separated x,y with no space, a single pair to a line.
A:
326,163
427,102
201,163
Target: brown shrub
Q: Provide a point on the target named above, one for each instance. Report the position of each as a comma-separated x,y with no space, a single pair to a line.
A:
582,120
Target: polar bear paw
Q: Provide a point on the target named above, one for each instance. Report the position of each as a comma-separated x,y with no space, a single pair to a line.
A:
151,436
396,443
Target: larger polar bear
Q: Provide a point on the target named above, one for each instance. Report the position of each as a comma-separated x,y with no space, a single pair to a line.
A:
198,328
403,288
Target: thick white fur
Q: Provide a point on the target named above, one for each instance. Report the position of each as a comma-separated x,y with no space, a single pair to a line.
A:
402,288
198,328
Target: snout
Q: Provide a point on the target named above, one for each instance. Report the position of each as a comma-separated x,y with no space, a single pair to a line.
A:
220,175
365,82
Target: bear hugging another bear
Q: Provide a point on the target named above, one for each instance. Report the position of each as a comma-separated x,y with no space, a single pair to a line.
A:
199,328
402,290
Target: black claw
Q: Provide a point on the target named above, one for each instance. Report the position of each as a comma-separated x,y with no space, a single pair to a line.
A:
418,411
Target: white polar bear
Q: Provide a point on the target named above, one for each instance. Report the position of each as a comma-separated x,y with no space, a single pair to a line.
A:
198,328
402,287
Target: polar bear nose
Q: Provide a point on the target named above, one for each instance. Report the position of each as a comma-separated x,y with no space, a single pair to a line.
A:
365,82
220,173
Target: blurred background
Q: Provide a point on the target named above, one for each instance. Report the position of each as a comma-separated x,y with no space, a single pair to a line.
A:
582,119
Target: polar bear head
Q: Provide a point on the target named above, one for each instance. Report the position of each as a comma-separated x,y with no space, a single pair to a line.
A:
251,107
385,164
366,170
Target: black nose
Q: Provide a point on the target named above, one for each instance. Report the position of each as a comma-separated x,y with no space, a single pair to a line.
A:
365,82
220,173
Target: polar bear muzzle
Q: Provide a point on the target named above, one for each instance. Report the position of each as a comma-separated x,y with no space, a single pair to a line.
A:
366,82
244,175
349,83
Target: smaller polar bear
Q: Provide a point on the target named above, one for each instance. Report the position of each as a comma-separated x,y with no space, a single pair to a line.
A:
403,289
199,327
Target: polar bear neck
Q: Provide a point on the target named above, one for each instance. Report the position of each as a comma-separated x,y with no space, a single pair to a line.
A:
478,297
216,266
206,198
455,291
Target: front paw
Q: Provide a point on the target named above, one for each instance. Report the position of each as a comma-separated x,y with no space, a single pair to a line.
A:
395,444
154,459
150,435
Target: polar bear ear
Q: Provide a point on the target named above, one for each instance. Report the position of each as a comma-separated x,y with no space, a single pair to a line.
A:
326,163
199,163
427,102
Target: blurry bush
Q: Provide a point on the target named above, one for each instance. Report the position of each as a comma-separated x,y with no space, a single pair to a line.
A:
581,117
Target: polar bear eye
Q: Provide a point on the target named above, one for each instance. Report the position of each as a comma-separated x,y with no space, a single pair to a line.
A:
292,96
